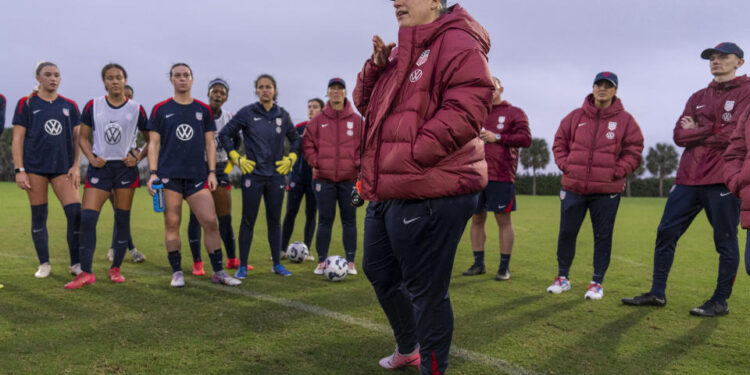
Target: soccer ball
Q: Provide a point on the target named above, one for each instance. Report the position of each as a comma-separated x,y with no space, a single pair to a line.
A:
297,251
335,267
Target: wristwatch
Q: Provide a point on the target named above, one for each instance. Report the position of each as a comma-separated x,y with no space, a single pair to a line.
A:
19,170
497,137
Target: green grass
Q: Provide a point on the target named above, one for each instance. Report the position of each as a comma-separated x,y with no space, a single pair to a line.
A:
265,327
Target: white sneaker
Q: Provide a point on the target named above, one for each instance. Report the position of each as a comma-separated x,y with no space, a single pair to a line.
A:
178,280
562,284
594,291
43,271
137,256
75,269
222,277
398,360
319,269
309,257
111,254
351,270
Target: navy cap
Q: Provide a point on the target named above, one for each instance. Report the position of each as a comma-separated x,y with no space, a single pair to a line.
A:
725,47
336,80
606,76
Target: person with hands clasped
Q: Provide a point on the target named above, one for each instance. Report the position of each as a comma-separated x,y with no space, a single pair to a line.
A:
181,144
45,151
264,127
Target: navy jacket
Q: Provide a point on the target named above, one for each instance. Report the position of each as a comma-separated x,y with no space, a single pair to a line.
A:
2,113
302,171
263,133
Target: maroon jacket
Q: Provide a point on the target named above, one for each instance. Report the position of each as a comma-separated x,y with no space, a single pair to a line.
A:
737,164
596,148
331,144
502,156
715,110
424,110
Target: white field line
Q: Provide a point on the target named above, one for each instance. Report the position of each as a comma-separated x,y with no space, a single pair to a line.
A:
503,366
628,261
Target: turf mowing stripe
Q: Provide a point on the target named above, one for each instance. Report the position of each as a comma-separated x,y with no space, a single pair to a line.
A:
465,354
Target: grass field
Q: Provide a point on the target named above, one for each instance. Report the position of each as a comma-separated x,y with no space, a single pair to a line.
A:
305,325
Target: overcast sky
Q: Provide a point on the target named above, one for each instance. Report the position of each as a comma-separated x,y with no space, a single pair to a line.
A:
545,52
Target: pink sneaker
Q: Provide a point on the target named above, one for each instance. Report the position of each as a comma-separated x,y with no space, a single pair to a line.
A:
398,360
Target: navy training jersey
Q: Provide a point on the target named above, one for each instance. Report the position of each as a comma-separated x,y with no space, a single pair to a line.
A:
183,144
48,146
115,128
264,133
2,113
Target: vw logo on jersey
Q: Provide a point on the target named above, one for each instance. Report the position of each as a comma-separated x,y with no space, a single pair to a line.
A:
278,121
415,75
113,133
53,127
199,116
184,132
423,57
729,105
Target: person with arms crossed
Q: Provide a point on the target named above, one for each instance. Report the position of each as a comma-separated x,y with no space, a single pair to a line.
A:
703,129
331,146
423,166
506,129
596,147
45,151
181,144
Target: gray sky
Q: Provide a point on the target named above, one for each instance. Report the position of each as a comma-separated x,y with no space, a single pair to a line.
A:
546,52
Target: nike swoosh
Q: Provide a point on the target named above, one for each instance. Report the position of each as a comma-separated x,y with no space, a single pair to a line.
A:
257,118
613,196
126,182
122,241
323,126
503,206
169,115
199,184
725,194
582,124
37,111
412,361
407,222
281,186
37,230
700,106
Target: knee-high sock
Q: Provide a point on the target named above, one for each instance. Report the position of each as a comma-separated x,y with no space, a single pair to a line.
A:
122,223
73,214
215,258
227,234
174,258
39,232
194,237
87,238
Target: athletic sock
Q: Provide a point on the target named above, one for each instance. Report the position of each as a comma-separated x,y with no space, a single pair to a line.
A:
87,240
39,232
194,237
131,245
479,258
122,223
216,260
504,261
73,214
175,260
227,235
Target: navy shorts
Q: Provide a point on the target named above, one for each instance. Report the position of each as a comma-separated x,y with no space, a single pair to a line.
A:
113,175
49,176
221,177
185,186
497,197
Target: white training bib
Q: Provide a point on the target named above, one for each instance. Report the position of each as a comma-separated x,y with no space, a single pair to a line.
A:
221,154
115,129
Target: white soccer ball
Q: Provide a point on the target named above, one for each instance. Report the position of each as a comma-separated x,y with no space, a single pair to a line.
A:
297,251
335,267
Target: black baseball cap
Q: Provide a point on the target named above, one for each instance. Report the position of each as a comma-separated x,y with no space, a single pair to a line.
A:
606,76
725,47
336,81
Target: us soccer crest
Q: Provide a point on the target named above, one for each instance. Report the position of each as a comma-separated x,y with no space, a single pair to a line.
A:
66,112
94,180
423,57
729,105
612,125
278,121
501,119
349,125
562,195
199,116
247,182
317,188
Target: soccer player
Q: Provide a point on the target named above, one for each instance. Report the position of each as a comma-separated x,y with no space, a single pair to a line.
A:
506,129
218,92
181,143
135,255
331,146
423,166
113,159
264,125
595,147
300,185
2,113
708,120
45,151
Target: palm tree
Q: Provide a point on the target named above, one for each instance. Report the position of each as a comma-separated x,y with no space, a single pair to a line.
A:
661,161
535,157
632,177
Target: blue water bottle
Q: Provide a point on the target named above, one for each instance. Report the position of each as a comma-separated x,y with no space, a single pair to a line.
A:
158,195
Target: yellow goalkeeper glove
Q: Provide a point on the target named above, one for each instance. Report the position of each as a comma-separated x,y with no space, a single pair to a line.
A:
284,166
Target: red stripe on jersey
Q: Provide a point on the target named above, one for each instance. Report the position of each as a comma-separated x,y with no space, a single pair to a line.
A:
303,123
210,112
21,103
69,101
88,105
143,112
156,107
1,96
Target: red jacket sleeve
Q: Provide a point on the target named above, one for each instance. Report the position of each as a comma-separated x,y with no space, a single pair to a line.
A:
632,149
561,145
520,134
465,105
734,157
690,137
366,80
310,143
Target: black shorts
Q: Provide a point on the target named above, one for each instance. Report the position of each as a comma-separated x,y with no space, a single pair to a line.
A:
185,186
222,178
497,197
113,175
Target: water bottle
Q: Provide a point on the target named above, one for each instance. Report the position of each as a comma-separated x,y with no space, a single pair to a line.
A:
158,195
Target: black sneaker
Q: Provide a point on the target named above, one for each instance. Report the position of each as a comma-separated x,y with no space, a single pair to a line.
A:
474,270
502,275
645,299
711,308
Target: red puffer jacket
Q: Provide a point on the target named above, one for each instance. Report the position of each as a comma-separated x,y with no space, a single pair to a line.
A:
331,144
715,110
596,148
424,110
737,166
502,156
